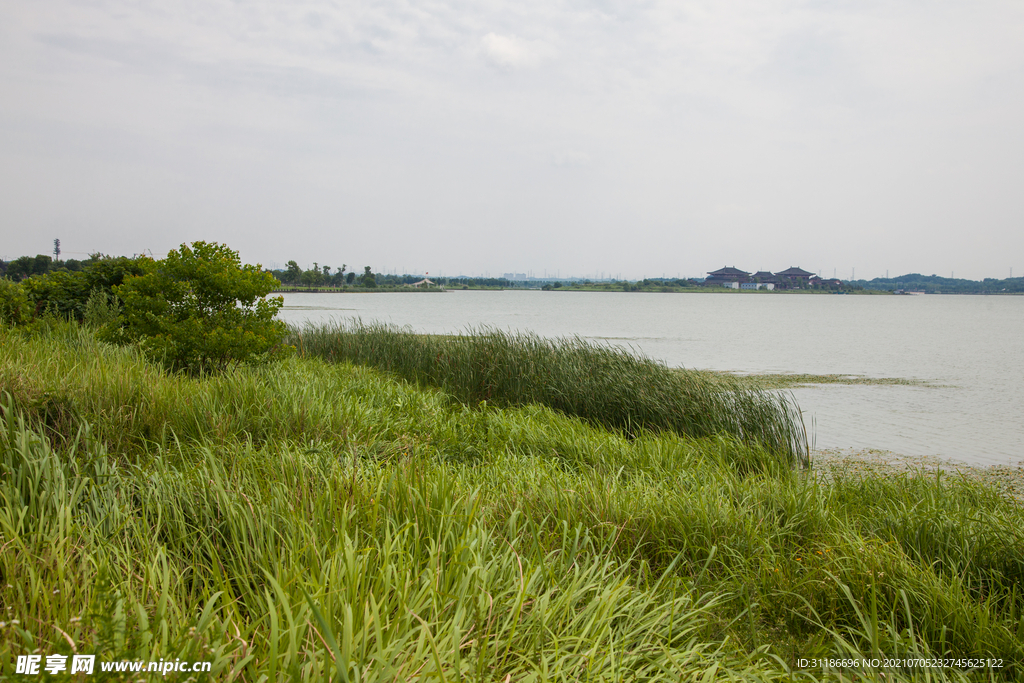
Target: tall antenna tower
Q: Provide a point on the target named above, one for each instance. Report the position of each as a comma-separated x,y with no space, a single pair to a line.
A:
56,250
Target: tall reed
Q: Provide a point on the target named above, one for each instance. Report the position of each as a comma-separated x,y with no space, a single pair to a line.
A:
308,521
606,386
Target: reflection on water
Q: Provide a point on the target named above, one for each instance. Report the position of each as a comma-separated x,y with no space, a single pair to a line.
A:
970,345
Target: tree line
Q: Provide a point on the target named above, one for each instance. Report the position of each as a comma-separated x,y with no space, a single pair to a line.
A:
291,276
319,276
935,284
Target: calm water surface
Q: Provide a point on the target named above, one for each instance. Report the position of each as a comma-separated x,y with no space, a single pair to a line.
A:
972,346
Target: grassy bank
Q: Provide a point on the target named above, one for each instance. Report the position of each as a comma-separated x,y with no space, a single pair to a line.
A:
605,386
313,520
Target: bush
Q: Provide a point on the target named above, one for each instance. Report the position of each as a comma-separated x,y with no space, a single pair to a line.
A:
59,293
15,307
66,293
201,309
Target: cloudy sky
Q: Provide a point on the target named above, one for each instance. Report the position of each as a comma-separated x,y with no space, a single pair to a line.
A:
633,138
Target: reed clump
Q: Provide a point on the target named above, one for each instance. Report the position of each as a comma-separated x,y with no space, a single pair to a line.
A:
606,386
323,521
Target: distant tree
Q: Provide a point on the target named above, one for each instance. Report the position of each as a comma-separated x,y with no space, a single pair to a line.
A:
292,272
350,278
27,266
312,277
368,279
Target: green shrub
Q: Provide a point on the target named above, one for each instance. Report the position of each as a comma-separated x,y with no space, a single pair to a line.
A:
15,307
66,293
101,309
201,309
60,293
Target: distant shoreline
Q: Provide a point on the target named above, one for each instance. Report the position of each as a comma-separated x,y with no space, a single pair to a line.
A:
720,290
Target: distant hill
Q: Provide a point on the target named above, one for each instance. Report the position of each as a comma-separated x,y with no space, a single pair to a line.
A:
934,284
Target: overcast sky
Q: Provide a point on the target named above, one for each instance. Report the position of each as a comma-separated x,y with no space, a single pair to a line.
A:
633,138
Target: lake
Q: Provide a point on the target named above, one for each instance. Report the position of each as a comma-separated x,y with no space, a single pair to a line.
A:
969,349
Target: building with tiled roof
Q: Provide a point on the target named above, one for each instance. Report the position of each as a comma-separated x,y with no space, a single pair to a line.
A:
727,277
792,272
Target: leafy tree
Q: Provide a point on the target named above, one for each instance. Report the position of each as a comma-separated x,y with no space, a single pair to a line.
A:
368,279
312,277
338,278
106,272
292,272
350,278
201,309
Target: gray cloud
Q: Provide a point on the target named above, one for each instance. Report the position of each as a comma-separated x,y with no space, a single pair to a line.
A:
632,137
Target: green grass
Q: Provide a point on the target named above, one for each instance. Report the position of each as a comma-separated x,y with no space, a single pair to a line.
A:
312,521
605,386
